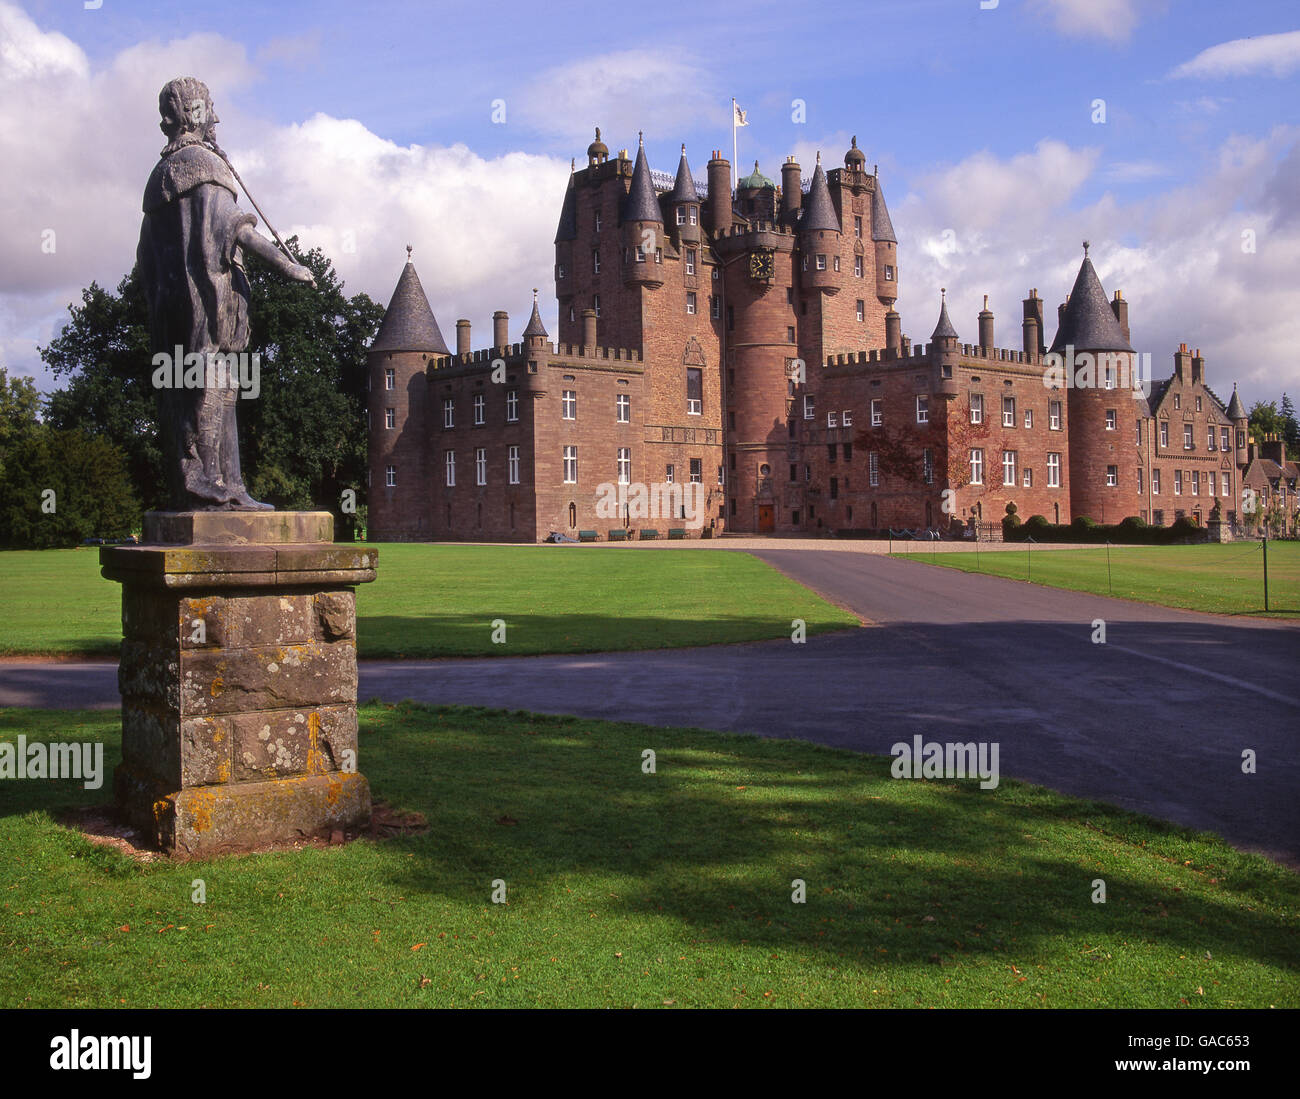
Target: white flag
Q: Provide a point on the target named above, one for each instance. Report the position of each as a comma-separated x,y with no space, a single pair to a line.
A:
740,115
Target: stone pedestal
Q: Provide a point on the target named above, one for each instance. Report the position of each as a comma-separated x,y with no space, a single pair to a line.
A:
238,678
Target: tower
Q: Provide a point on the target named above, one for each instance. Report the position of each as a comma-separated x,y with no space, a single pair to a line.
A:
1103,458
398,412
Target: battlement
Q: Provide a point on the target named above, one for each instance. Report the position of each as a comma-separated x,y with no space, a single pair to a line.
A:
516,352
741,230
603,354
919,355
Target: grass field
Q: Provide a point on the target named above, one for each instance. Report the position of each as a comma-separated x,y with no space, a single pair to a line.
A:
441,601
624,888
1223,579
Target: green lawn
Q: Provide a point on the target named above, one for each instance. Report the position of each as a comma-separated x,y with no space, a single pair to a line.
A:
1227,579
442,600
631,889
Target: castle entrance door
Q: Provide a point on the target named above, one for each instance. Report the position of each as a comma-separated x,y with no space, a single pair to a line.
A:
766,518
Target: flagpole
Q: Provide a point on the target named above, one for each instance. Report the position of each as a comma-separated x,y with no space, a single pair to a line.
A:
735,155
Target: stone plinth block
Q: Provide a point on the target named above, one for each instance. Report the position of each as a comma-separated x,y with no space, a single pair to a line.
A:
238,678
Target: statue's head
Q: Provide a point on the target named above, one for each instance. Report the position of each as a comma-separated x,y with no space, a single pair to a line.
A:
186,109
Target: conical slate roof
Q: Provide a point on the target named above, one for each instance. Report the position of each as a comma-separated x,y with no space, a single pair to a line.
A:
535,326
409,323
1235,409
818,209
641,204
684,188
1088,322
568,227
944,329
881,227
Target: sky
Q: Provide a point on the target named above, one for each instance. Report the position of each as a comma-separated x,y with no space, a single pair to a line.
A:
1006,132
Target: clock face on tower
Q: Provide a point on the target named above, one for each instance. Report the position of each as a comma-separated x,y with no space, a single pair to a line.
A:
762,264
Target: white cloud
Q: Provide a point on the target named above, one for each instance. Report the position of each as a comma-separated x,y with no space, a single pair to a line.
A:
1112,20
78,142
658,92
1002,226
1135,171
1265,54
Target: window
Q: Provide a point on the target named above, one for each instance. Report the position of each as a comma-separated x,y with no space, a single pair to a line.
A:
922,408
1225,439
1209,438
830,453
659,255
595,303
808,407
1196,482
480,403
1028,478
835,488
1187,436
597,221
976,466
927,466
451,468
570,465
480,466
1198,404
804,265
694,218
877,412
697,470
512,465
1155,482
1164,432
1112,476
1138,437
1178,400
857,266
873,469
1008,412
832,419
1029,417
794,472
848,457
1226,486
1009,467
821,262
1209,484
857,227
624,465
789,334
1053,470
640,254
560,271
719,475
390,378
715,306
836,263
690,261
669,473
889,273
390,476
846,417
1178,482
690,303
681,215
1110,375
862,310
623,408
448,412
390,417
1054,415
512,406
694,391
569,404
977,408
595,262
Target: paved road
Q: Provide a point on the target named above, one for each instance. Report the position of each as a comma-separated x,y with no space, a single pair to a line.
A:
1155,719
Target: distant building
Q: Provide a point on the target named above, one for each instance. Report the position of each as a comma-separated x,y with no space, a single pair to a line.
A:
720,344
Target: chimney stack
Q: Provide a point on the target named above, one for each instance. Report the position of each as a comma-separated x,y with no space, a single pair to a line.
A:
719,194
1033,324
1120,308
462,337
791,188
1198,367
1183,363
986,325
893,331
500,329
589,330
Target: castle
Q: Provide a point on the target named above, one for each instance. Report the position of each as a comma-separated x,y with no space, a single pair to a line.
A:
745,345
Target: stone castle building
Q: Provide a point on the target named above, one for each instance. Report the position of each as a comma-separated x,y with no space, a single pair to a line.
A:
747,343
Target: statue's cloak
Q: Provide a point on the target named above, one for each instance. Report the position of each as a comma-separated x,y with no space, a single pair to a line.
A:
191,266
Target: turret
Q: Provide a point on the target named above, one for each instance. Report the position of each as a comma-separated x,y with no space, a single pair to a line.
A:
720,216
791,190
1240,426
535,337
756,196
855,160
986,325
1033,324
819,236
643,227
882,233
944,351
597,151
684,202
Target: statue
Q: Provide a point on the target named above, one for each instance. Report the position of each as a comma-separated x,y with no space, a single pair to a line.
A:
191,264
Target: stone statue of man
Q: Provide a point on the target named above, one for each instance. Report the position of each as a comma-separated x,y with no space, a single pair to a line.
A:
191,264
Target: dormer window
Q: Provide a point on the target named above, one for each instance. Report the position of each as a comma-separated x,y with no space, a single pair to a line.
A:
681,215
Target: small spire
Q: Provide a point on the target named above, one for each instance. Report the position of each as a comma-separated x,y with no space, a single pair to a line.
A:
986,302
683,148
573,164
597,133
855,141
1085,249
640,138
819,157
408,253
943,294
534,295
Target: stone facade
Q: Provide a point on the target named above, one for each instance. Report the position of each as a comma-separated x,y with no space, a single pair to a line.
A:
745,343
238,677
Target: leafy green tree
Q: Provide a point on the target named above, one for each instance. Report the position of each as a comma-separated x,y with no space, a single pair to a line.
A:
1290,427
1264,420
20,406
303,437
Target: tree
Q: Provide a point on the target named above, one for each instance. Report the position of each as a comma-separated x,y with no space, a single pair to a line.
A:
303,436
1290,428
20,406
1264,420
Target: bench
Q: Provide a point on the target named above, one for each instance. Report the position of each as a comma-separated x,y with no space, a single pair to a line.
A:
647,535
618,534
676,533
588,536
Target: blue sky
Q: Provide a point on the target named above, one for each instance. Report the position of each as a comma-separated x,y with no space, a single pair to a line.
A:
984,123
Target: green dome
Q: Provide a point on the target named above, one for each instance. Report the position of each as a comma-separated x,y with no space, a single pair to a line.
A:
756,181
